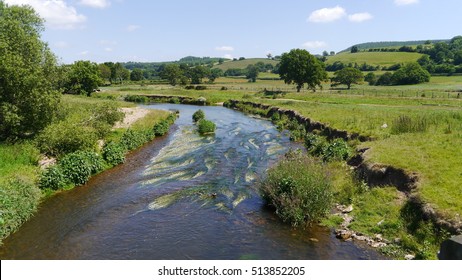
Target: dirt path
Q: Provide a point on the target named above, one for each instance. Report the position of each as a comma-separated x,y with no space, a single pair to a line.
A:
131,116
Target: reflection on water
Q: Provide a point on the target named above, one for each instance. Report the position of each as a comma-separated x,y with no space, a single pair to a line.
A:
183,197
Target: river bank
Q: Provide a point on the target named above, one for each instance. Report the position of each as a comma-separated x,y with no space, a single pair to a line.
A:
27,178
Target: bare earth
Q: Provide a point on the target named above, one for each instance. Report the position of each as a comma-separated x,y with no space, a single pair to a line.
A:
131,116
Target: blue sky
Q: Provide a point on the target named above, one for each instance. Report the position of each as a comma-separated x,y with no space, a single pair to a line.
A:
140,30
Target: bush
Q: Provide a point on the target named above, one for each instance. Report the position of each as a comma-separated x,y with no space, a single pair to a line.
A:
198,115
132,139
66,137
114,153
78,167
315,145
53,178
337,150
299,189
136,99
19,199
206,126
161,128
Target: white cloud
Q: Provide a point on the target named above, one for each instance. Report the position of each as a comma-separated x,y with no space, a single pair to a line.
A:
360,17
108,49
84,53
132,27
327,14
96,3
225,49
57,13
314,44
228,56
107,43
406,2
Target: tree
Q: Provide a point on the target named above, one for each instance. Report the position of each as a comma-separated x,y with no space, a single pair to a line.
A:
252,73
198,73
104,72
354,49
411,73
136,75
348,76
214,74
28,74
84,78
300,67
172,73
370,78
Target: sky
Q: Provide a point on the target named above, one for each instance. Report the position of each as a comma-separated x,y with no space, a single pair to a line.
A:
154,30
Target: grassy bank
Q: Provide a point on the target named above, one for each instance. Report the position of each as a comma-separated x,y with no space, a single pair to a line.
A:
72,139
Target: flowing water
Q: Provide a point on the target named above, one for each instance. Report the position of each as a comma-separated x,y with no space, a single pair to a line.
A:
184,196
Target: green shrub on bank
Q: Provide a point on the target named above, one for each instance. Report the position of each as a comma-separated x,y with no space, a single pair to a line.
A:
198,115
136,99
299,189
19,198
337,150
133,139
206,126
78,167
161,128
114,153
53,178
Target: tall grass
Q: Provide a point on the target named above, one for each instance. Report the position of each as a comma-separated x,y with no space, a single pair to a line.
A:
406,124
299,189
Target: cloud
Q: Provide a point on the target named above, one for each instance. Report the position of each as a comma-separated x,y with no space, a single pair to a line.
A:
101,4
406,2
57,14
327,15
107,43
225,49
228,56
360,17
108,49
132,27
84,53
314,44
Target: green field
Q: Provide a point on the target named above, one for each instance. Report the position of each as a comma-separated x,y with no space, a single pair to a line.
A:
242,64
375,58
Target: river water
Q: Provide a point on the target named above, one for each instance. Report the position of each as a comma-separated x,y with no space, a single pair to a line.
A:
183,196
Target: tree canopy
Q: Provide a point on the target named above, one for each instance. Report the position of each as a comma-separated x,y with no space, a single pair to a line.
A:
347,76
411,73
83,78
300,67
28,74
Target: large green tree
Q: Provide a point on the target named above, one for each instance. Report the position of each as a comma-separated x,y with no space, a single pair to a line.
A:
252,73
300,67
28,74
347,76
172,73
83,78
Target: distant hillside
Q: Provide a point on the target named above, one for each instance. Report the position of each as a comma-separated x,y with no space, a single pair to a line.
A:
374,58
242,64
392,44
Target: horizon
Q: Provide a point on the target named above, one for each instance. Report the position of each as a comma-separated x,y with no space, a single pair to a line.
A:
166,31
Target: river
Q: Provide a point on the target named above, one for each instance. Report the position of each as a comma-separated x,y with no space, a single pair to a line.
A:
183,196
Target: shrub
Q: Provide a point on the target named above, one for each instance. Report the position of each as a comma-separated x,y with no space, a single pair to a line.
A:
299,189
78,167
19,200
206,126
337,150
315,145
53,178
161,128
114,153
65,137
198,115
136,99
132,139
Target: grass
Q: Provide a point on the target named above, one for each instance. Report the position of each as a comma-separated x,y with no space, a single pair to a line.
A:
375,58
242,64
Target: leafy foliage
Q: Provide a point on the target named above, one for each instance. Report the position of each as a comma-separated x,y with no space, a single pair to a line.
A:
299,189
348,76
206,126
28,99
114,153
83,78
198,115
410,74
300,67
